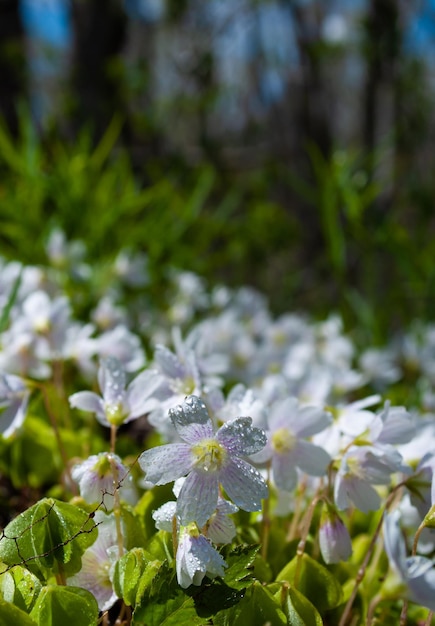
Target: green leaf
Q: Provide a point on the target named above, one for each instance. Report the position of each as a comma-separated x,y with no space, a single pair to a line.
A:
50,535
134,575
34,456
257,608
297,608
12,615
134,535
65,605
213,597
20,587
240,566
315,582
172,607
160,546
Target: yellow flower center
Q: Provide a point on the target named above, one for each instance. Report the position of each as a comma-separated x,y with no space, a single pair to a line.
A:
102,467
354,468
185,386
283,441
115,413
208,455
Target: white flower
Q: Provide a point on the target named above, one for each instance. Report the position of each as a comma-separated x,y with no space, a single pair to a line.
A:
96,480
416,572
196,558
98,562
119,404
207,459
290,424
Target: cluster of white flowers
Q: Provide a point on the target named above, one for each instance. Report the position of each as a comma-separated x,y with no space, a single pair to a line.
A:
246,405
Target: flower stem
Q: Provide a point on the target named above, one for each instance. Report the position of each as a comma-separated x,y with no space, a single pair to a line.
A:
291,533
362,570
404,614
117,507
417,537
174,535
266,519
306,529
113,431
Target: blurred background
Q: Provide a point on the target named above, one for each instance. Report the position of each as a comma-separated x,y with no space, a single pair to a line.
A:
283,144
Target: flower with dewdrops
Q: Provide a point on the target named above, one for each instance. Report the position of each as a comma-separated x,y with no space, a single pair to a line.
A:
119,403
220,528
196,558
208,459
99,476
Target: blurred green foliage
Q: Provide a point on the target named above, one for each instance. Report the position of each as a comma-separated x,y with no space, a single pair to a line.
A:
345,250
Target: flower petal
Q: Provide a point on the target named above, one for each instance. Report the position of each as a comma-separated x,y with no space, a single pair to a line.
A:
191,411
87,401
240,437
140,393
244,484
284,472
169,364
356,491
112,379
164,464
311,420
311,459
198,498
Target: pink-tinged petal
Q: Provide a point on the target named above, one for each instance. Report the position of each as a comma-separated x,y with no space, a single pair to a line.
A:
164,464
194,433
334,540
311,459
244,485
198,498
221,529
87,401
239,437
284,473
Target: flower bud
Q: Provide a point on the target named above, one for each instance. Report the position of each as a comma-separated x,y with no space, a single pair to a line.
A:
334,538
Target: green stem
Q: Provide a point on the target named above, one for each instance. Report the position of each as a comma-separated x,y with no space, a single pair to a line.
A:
266,519
305,531
117,506
367,557
417,537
